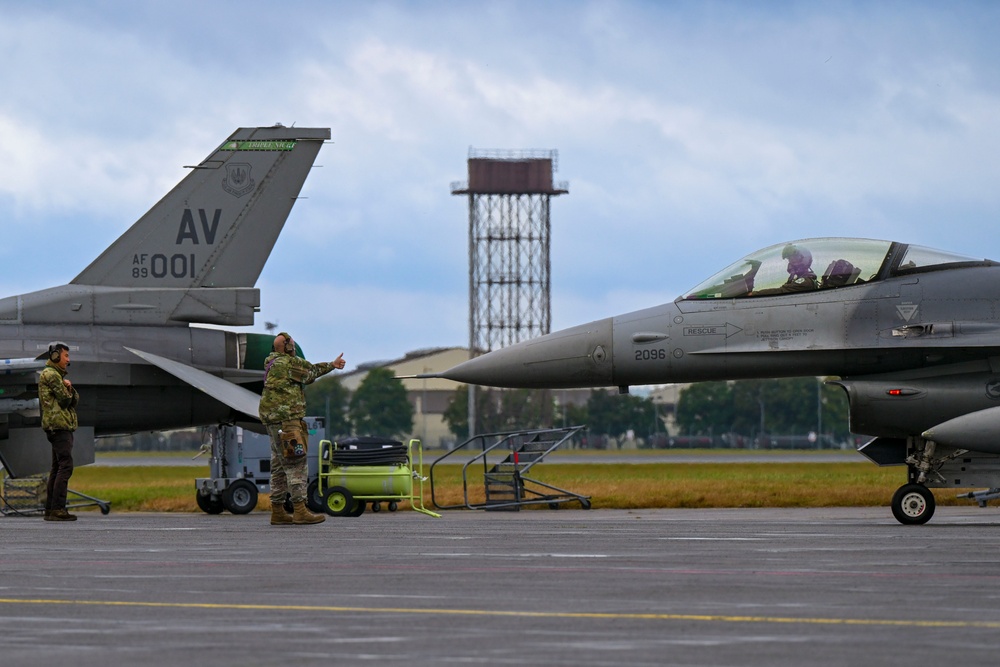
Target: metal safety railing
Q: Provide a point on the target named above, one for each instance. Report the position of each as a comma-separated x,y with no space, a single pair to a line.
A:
505,459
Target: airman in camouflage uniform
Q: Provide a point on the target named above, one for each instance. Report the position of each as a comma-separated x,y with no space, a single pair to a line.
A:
282,410
58,399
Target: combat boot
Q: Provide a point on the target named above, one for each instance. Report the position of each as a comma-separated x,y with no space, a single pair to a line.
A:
279,517
60,515
303,515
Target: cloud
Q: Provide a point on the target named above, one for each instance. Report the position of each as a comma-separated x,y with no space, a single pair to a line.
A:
690,134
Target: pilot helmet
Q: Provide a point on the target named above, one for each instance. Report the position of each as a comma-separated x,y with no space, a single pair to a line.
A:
797,256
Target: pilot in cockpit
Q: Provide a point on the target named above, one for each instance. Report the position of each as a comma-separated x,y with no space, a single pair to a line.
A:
800,274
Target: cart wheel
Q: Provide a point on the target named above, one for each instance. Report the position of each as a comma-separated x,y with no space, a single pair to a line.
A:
376,507
358,510
105,508
338,501
240,497
393,506
553,506
207,504
314,501
585,503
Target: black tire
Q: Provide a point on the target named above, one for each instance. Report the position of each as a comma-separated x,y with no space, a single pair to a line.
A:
338,501
376,507
358,509
240,497
393,506
207,504
314,499
913,504
585,503
288,506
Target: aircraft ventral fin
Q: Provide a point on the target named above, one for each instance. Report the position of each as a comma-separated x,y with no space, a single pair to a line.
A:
26,451
238,398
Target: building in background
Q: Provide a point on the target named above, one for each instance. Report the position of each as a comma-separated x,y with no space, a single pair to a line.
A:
429,397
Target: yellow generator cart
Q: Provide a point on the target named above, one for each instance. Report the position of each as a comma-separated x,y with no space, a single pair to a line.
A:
357,471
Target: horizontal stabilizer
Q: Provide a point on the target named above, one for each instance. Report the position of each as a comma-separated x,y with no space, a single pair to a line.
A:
238,398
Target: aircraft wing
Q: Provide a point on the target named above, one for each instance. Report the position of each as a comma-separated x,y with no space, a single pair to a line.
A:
237,397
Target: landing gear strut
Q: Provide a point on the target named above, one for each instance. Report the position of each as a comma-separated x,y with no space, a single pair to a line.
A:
913,503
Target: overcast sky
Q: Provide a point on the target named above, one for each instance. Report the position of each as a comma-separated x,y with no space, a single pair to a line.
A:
691,133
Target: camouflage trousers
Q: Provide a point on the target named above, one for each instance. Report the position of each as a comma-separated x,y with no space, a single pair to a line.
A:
287,475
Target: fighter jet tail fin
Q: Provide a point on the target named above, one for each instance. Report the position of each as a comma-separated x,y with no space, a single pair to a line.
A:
217,227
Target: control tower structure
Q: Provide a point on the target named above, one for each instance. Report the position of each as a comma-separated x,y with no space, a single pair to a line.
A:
509,195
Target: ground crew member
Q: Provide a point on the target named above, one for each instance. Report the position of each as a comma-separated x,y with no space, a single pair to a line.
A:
282,410
58,399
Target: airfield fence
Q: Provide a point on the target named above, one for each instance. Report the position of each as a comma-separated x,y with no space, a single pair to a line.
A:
736,441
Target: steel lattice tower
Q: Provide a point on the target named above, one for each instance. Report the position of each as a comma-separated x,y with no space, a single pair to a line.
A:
509,240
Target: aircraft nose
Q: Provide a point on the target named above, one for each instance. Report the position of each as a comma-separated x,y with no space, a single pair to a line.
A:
576,357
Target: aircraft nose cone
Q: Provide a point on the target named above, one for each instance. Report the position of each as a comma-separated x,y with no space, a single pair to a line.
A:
576,357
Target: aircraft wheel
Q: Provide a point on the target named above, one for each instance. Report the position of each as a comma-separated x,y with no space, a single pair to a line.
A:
207,504
314,500
913,504
338,501
240,497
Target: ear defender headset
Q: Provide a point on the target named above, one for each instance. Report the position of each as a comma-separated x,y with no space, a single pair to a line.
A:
289,343
55,351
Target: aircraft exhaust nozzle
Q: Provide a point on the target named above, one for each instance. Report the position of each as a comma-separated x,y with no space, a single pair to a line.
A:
576,357
976,430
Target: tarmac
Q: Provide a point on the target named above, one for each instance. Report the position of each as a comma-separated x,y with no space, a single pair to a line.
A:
725,587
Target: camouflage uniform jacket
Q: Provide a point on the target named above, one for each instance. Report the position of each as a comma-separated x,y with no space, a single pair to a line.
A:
58,402
284,395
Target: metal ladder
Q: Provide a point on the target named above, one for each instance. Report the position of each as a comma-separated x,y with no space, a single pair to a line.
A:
506,459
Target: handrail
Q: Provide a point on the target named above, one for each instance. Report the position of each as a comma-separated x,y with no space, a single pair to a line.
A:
502,438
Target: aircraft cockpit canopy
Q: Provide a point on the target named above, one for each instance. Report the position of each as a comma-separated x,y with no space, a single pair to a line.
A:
822,263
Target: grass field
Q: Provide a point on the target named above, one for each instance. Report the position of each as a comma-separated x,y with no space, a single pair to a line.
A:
612,485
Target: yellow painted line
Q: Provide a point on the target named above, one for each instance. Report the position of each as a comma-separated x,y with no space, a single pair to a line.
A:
718,618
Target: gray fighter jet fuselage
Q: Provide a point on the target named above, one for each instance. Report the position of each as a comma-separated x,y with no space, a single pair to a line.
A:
911,333
136,360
